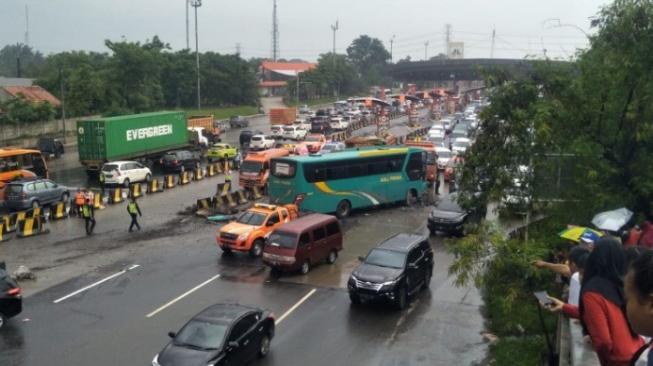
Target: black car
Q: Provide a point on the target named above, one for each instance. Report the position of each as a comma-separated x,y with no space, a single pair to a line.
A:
238,122
11,302
246,136
180,160
321,125
50,146
396,269
448,217
222,334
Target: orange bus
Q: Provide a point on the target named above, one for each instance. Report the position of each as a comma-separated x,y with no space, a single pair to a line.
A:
255,169
17,164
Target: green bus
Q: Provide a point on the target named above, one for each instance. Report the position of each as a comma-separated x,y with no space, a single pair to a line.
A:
351,179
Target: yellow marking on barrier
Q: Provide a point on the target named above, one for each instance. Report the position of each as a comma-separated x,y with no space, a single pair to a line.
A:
210,170
59,211
257,192
20,216
36,212
117,195
226,188
97,200
231,201
241,197
28,227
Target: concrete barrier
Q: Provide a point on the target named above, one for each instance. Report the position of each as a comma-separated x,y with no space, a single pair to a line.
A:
210,170
135,190
254,193
154,186
9,222
97,200
240,197
116,195
205,203
31,226
198,174
3,232
58,211
168,182
184,178
35,212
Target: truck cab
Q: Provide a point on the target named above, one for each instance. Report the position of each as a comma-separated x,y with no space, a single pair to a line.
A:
199,136
249,231
255,169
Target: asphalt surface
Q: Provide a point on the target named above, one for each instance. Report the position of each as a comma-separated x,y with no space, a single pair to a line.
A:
128,306
111,298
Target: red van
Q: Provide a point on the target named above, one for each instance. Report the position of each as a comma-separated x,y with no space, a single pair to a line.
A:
303,242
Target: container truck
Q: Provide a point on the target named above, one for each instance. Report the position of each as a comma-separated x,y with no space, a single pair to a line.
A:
211,131
283,116
142,137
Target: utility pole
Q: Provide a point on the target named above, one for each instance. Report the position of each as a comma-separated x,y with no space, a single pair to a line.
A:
63,103
447,37
26,26
238,49
275,33
494,34
426,49
392,40
196,4
334,28
187,25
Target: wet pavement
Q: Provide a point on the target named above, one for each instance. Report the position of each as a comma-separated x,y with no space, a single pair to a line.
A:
108,324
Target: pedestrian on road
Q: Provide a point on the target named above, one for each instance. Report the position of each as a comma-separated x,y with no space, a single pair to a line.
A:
79,202
134,211
88,213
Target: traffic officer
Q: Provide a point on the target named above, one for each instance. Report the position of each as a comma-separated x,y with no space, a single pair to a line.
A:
79,201
88,213
134,211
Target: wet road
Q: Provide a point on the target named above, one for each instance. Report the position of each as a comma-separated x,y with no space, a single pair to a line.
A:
124,310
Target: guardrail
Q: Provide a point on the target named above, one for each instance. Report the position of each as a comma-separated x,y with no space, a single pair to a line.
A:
573,350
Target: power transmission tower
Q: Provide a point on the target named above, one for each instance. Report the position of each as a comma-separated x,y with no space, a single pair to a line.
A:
447,37
334,28
494,35
275,32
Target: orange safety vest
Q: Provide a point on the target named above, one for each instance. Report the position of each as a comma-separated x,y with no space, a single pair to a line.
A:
79,198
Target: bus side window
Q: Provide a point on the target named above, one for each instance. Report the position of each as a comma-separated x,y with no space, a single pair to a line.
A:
415,167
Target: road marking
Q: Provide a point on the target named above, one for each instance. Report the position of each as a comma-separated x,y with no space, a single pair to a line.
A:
173,301
294,307
96,283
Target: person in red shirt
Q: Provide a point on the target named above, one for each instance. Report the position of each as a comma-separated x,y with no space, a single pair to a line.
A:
602,307
646,238
639,296
633,237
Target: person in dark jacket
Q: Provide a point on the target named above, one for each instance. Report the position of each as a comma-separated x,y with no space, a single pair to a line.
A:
602,306
134,211
639,296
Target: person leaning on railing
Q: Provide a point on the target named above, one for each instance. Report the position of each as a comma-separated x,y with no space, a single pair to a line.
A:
602,307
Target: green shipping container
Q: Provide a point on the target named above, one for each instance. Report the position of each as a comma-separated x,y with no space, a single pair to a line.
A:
129,137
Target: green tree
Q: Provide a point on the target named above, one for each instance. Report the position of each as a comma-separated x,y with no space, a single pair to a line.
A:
30,61
369,58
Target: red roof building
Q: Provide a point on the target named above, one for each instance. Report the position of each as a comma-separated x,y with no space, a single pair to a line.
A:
32,93
276,75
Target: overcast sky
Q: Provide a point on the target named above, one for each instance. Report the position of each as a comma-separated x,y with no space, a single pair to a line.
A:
521,26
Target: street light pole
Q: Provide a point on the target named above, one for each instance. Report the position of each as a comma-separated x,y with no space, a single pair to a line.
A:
392,40
63,103
297,89
187,26
196,4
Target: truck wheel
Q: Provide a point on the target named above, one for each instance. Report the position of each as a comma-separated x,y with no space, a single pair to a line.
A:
343,209
305,268
257,248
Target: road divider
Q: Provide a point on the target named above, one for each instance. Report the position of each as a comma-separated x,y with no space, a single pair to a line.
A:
154,186
176,299
294,307
31,226
198,174
96,283
184,178
115,195
59,211
135,190
3,232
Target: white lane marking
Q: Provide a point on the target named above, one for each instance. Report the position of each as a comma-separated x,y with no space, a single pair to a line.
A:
173,301
294,307
96,283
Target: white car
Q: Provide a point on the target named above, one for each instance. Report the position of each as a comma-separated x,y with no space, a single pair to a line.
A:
261,142
293,133
460,145
444,155
276,131
338,124
124,172
436,133
331,147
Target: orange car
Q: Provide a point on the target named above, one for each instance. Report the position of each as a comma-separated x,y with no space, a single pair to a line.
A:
249,231
314,142
255,169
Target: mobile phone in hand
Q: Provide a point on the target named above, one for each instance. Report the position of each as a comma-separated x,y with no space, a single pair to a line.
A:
543,298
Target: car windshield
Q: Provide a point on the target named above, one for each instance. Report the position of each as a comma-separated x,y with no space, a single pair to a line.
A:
312,138
252,218
251,166
201,334
386,258
109,167
461,143
257,138
289,129
283,240
14,188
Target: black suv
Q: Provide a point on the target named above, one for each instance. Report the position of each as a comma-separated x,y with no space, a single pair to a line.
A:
396,269
180,160
238,122
11,302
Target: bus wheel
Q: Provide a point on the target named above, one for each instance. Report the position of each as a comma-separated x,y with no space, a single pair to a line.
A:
411,197
344,209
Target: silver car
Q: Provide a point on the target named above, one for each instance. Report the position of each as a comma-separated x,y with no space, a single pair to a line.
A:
24,195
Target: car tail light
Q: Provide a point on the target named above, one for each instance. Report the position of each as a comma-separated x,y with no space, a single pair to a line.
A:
14,291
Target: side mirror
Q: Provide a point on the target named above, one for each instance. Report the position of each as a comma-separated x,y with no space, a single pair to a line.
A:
233,344
361,258
172,334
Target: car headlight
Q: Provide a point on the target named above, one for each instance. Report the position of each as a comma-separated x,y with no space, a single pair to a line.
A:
155,360
389,284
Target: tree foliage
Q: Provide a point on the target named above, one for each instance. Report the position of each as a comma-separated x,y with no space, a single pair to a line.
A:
30,61
369,58
331,74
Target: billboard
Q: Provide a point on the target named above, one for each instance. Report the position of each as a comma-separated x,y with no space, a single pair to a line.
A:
456,50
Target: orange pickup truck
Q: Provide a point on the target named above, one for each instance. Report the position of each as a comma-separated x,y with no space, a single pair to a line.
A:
249,231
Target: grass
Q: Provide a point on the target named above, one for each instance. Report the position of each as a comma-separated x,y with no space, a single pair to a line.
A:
518,351
223,112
